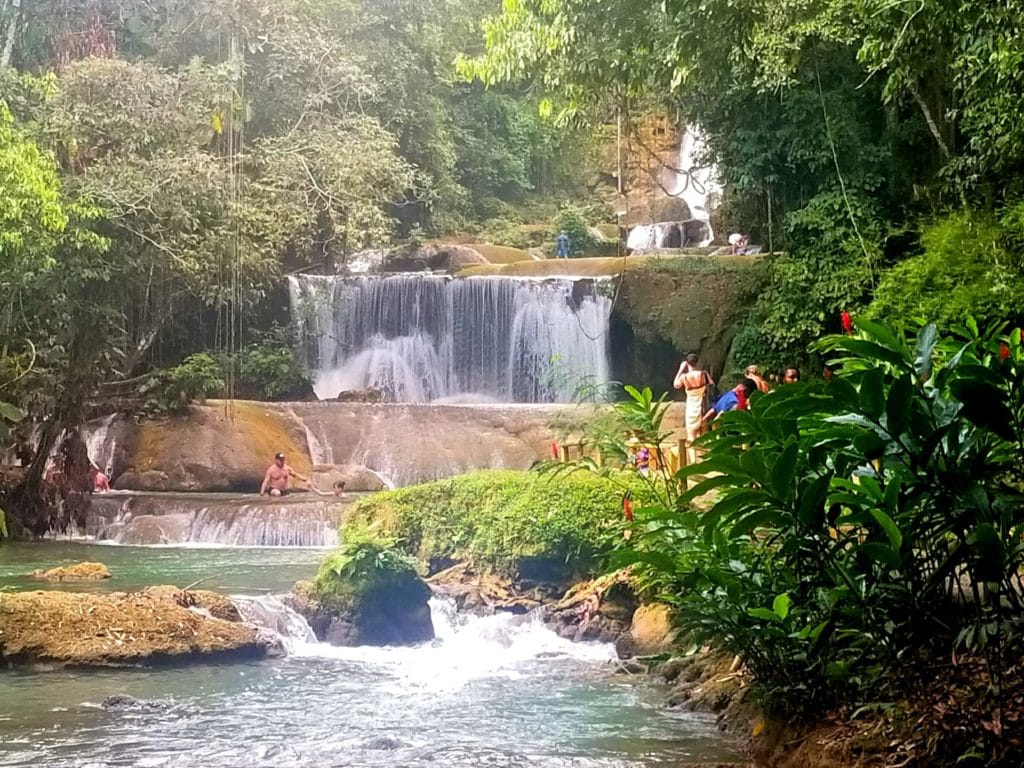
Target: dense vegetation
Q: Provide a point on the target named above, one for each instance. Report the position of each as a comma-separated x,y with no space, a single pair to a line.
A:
870,141
164,164
857,541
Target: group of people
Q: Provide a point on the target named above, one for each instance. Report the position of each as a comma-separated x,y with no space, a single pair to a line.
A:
704,404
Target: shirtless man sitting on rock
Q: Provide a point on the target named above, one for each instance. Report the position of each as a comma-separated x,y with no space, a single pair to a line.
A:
276,480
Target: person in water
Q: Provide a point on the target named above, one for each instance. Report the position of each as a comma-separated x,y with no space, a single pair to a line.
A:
791,376
277,480
100,482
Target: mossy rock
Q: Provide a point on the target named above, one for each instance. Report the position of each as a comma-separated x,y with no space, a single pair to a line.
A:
366,593
501,520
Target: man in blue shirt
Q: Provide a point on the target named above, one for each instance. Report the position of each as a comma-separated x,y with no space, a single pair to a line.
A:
734,399
562,246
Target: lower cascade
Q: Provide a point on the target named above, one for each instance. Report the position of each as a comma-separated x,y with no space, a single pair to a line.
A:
421,338
182,519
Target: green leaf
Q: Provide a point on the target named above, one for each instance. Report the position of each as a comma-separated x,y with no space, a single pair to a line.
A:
887,524
898,405
872,393
924,349
882,553
764,614
11,413
781,606
812,500
784,471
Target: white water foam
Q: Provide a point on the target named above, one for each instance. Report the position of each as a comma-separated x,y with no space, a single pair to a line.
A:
466,647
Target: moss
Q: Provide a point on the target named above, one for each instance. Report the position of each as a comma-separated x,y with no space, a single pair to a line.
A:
498,518
363,569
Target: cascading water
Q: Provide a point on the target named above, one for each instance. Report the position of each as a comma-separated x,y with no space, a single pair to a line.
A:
145,519
100,442
420,338
694,183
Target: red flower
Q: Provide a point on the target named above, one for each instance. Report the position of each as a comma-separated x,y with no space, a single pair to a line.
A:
1004,350
827,373
847,323
627,508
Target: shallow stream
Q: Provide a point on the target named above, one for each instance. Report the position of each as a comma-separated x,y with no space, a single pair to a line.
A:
489,691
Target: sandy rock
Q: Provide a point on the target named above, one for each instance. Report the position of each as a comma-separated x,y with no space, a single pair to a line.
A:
217,605
651,630
76,572
207,451
117,630
360,396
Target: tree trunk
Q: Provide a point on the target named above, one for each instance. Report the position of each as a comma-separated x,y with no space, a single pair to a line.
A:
10,33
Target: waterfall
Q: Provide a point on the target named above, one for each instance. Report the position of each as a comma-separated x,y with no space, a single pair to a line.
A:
420,338
258,526
695,184
147,519
100,443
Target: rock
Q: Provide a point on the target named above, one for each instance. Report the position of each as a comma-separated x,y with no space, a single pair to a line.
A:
448,257
146,530
76,572
340,478
600,609
206,451
122,703
213,603
651,630
119,630
360,396
394,614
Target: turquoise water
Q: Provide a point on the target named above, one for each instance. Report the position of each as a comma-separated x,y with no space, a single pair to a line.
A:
490,692
222,569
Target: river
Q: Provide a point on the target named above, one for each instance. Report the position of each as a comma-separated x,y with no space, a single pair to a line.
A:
490,691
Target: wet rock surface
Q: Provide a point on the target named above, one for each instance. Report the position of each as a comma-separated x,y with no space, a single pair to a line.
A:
596,609
157,626
397,614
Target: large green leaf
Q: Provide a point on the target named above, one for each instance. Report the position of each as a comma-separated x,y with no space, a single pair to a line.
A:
882,553
924,350
888,525
898,406
11,413
872,392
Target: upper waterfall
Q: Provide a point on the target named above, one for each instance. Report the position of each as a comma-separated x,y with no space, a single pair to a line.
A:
420,337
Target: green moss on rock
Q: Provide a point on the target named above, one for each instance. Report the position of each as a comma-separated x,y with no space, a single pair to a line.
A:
497,519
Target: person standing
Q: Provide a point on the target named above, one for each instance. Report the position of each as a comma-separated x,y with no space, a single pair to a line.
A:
695,381
562,245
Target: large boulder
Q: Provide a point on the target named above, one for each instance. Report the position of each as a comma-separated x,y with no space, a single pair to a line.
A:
393,611
336,478
156,626
208,450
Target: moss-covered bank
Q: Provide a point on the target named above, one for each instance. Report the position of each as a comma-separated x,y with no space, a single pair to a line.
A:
500,519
